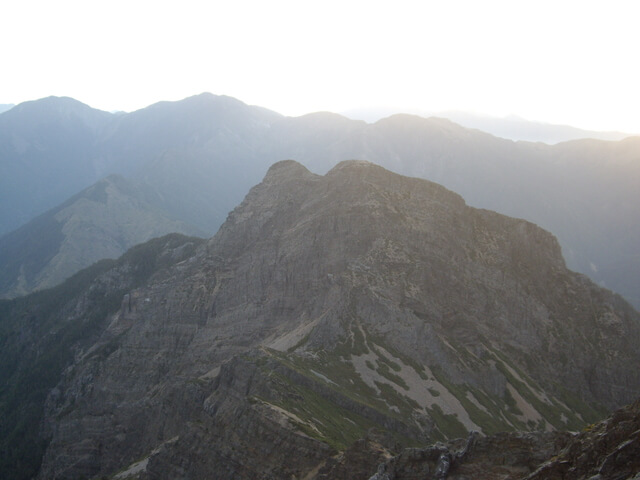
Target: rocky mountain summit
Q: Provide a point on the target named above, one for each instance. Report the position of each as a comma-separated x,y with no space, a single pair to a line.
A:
198,157
328,309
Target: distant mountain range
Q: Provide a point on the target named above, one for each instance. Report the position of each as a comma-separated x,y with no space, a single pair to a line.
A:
102,221
6,106
46,152
196,158
510,127
360,304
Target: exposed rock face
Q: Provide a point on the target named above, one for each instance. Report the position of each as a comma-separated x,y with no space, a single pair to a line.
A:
606,450
329,305
503,456
230,437
41,334
609,449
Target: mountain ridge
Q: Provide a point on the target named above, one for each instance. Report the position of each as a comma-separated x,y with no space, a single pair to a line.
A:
201,155
360,294
511,127
100,222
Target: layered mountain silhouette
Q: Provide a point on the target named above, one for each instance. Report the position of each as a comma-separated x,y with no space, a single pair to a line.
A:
511,127
100,222
198,157
55,147
326,309
46,152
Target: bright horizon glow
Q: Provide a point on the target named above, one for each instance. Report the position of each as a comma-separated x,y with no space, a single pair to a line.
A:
564,62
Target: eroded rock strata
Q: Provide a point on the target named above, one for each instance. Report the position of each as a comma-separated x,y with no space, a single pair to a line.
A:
330,307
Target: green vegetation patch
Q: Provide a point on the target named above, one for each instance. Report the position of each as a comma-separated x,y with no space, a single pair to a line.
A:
433,392
511,402
447,424
344,380
333,424
405,405
354,344
341,373
491,422
552,413
373,341
590,414
383,370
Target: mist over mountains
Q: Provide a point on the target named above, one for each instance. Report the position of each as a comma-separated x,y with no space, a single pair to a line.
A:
510,127
196,158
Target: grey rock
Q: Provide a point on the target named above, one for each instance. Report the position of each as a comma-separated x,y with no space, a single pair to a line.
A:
228,349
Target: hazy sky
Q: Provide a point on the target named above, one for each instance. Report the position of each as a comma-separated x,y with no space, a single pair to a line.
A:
574,62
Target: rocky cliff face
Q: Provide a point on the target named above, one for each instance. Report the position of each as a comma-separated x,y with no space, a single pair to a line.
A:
330,306
41,334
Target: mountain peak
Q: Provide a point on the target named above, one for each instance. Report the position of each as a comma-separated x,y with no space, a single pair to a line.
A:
285,170
211,97
57,112
347,165
51,104
360,298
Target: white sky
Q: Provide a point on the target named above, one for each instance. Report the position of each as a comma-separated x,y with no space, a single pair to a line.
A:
572,62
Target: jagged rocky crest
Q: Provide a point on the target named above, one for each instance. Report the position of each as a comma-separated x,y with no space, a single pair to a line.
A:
329,308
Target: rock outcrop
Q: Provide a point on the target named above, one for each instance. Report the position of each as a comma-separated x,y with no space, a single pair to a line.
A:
606,450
